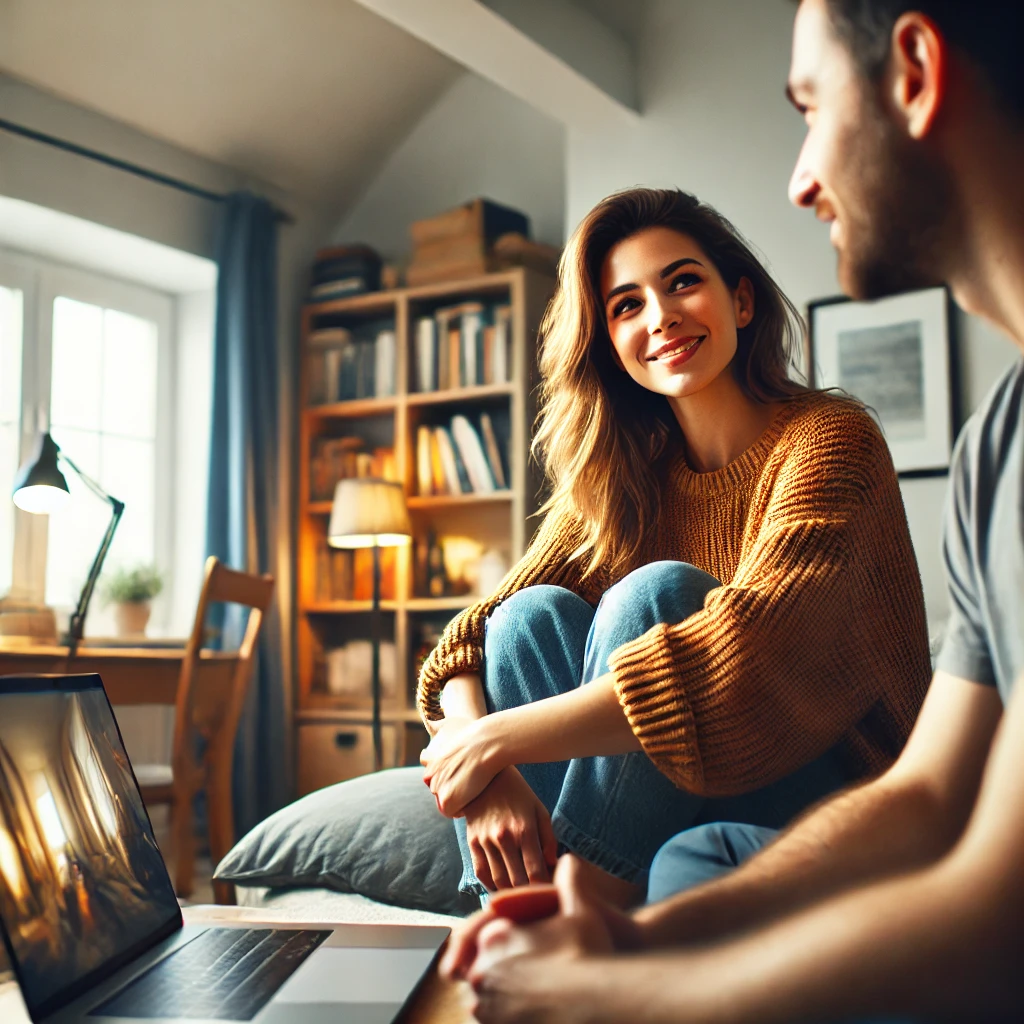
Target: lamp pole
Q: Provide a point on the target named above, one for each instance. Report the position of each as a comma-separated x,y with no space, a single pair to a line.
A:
378,752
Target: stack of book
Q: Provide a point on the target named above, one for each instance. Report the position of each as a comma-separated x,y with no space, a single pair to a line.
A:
343,458
459,242
462,346
461,458
344,270
346,366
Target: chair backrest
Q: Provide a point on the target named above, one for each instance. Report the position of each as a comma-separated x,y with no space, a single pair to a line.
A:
211,688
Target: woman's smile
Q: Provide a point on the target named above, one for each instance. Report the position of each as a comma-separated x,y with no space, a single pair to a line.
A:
678,351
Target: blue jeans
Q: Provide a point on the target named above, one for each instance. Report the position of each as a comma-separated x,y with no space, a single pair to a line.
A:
700,854
615,811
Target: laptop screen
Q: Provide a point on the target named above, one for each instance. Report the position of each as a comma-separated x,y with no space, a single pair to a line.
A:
83,888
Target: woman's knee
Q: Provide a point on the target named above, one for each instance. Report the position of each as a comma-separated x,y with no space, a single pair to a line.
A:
672,591
541,615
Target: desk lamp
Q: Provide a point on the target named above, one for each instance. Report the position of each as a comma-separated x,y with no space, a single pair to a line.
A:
40,488
370,513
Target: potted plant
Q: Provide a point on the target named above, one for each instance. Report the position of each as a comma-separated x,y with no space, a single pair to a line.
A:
130,591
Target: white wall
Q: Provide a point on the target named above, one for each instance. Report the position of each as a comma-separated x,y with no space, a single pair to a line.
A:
477,140
715,122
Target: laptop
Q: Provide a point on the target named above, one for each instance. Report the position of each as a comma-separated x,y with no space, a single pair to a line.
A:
91,924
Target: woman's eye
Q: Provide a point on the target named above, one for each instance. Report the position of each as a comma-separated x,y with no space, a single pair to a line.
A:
624,306
683,281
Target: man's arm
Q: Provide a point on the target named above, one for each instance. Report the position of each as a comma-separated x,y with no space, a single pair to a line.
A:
907,818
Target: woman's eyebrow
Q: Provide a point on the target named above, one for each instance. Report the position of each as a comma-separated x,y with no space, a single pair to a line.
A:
679,263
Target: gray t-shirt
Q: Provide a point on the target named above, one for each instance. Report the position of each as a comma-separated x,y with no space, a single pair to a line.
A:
983,542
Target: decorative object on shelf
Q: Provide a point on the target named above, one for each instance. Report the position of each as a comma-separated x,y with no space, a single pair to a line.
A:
895,355
130,591
40,488
459,242
493,567
349,669
344,270
370,513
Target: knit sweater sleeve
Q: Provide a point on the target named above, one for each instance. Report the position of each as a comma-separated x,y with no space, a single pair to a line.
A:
549,560
778,664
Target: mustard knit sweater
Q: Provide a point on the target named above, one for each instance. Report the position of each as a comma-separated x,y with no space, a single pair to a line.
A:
816,638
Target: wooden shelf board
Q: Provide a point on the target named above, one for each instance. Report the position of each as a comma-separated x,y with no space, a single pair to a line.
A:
460,394
323,709
440,604
353,409
319,508
368,302
424,501
347,607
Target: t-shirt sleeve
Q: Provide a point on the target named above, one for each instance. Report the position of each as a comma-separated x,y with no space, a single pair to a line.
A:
965,651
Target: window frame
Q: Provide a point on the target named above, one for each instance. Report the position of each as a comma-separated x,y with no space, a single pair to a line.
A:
41,282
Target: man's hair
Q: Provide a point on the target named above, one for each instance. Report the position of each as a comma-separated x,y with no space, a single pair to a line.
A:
990,32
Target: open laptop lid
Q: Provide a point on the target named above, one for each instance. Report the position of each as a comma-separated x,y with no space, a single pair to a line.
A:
83,887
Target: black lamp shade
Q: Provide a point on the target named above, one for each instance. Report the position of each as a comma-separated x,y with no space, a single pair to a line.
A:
40,470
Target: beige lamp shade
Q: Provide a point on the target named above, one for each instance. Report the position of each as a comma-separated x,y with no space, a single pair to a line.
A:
368,512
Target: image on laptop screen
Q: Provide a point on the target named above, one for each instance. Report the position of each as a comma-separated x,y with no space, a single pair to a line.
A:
82,882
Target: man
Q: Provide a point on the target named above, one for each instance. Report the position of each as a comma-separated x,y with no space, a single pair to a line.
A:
905,896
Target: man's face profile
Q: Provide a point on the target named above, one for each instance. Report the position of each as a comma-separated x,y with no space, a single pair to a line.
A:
857,170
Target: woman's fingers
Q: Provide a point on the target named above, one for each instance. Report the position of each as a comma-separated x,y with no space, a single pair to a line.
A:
496,861
533,856
481,865
548,842
461,951
510,846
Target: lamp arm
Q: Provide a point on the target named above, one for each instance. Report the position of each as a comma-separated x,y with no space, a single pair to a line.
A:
76,627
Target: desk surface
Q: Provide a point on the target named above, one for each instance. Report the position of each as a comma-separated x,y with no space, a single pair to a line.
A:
437,1002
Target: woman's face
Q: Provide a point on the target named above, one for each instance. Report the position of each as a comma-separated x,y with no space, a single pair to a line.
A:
671,317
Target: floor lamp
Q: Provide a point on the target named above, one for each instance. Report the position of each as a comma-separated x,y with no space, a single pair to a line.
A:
40,488
370,513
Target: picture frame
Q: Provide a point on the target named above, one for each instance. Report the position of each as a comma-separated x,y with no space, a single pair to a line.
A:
897,356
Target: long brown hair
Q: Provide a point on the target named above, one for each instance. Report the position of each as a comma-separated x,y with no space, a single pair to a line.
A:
602,437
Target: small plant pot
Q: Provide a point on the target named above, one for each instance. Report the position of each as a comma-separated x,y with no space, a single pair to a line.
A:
130,617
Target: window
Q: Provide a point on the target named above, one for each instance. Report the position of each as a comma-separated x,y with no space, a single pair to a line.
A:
90,358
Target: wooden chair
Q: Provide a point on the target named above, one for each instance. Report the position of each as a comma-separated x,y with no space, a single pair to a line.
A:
210,696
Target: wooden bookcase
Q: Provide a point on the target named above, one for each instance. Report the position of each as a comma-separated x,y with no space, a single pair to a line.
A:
333,739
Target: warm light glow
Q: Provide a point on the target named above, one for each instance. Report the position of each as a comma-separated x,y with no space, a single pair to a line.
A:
49,820
10,865
40,499
367,540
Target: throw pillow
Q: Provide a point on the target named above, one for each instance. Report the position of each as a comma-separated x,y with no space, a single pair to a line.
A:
378,835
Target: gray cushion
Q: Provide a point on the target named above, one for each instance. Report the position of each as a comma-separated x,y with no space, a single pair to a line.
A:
379,835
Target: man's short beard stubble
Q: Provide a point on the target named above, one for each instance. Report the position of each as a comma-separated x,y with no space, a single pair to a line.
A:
903,204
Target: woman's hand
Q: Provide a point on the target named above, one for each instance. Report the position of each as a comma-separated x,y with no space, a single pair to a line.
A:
460,761
510,836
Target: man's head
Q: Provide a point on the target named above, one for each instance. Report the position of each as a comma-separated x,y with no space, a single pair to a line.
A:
886,87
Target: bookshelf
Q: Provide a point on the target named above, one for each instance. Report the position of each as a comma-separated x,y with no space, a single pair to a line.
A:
333,739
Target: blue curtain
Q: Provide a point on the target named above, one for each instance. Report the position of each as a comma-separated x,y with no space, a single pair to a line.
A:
242,524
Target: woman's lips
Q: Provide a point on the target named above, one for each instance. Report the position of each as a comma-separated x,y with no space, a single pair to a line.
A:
679,352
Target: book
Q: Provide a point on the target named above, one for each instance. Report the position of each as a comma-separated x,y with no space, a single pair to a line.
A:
470,450
442,322
454,357
424,472
472,325
426,354
502,356
440,483
494,459
385,352
348,375
452,477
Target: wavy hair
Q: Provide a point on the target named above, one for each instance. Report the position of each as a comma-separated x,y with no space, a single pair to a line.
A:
601,437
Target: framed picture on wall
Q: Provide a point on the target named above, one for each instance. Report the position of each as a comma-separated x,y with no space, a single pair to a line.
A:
896,356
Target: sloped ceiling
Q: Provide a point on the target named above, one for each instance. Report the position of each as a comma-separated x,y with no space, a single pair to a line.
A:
307,95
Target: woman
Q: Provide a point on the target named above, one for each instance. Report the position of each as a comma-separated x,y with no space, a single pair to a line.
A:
759,636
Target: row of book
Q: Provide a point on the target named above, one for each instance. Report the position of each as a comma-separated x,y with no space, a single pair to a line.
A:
345,366
460,458
346,574
343,458
462,346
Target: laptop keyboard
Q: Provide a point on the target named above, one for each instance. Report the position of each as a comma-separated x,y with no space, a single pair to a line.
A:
221,974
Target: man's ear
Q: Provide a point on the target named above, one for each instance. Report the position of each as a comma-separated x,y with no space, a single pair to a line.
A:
919,65
743,302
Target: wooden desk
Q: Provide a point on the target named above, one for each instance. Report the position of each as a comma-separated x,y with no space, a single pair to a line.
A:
131,675
437,1002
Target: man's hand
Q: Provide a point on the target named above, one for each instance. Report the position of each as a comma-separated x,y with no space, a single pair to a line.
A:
582,925
510,835
459,763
